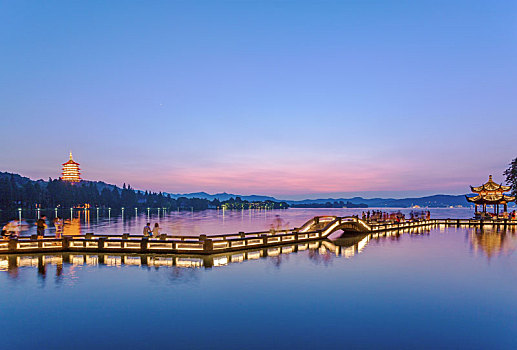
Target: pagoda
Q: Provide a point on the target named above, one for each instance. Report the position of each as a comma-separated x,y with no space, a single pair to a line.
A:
491,193
70,172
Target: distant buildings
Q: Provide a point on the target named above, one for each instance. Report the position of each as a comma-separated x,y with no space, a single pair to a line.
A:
70,171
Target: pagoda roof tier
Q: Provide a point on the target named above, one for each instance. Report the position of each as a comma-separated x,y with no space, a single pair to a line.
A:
490,186
491,199
71,161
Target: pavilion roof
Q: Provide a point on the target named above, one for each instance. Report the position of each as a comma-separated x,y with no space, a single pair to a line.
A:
492,198
490,186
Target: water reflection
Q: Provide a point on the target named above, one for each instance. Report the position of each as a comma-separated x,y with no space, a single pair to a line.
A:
73,227
322,251
106,221
493,241
11,263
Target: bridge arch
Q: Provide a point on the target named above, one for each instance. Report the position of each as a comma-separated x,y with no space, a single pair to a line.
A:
328,225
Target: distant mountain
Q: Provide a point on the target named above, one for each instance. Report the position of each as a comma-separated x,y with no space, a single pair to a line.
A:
439,200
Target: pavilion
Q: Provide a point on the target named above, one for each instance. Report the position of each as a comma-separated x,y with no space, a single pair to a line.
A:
491,193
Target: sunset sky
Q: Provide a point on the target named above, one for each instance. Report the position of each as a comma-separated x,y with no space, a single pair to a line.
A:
294,99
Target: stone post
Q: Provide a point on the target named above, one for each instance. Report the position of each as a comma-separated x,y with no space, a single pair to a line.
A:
12,245
264,239
143,244
208,245
65,242
101,242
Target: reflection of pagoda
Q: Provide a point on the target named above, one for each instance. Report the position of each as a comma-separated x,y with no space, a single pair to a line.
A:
493,243
70,171
491,193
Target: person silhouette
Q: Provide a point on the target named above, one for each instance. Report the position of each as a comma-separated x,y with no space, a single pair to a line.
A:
147,230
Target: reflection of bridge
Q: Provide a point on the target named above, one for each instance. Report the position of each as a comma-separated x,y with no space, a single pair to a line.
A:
8,262
320,250
317,228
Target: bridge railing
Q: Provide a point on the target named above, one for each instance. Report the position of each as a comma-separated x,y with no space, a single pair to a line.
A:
318,227
127,242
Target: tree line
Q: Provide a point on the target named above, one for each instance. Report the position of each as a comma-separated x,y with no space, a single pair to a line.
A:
511,176
17,193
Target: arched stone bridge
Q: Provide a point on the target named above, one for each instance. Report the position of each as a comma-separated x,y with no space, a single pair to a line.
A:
327,225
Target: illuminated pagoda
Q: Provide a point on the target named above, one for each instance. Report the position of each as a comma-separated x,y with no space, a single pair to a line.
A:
70,171
491,193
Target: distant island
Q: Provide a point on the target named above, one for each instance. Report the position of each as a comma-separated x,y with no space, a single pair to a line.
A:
335,204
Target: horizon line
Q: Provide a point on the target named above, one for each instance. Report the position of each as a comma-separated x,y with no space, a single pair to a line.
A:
290,197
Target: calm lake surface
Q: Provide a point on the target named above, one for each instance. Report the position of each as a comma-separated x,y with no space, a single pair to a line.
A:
196,222
432,288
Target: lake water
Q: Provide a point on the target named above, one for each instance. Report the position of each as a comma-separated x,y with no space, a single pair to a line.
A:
434,288
196,222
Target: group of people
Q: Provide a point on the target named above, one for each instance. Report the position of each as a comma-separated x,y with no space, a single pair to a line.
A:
154,232
381,216
41,225
504,215
14,228
278,224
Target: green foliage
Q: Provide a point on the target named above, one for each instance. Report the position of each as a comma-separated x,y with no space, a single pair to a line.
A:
511,176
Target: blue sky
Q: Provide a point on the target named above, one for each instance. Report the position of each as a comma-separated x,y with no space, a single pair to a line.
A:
287,98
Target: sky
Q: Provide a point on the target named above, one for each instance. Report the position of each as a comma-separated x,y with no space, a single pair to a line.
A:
295,99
